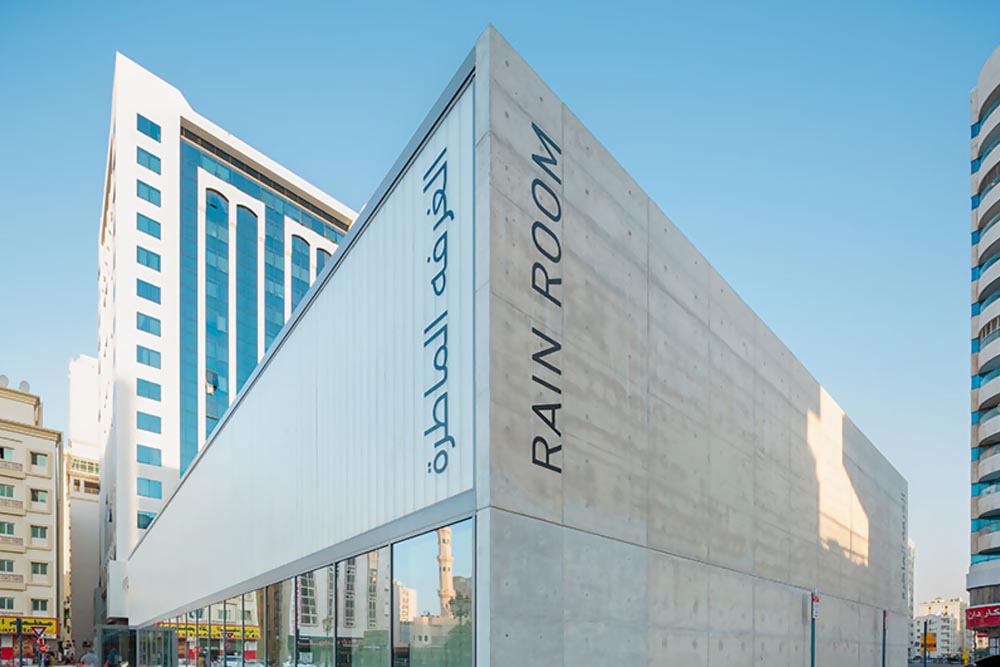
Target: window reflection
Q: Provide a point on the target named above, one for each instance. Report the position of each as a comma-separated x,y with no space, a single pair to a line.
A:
363,610
279,600
433,592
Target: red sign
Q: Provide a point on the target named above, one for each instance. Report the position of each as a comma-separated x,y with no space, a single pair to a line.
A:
39,630
983,616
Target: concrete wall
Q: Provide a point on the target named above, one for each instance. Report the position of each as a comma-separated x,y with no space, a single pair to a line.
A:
668,483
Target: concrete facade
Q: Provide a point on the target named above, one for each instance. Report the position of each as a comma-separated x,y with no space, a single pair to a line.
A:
657,478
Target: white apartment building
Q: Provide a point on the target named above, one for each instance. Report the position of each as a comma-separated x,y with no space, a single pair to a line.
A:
946,620
30,563
79,475
206,247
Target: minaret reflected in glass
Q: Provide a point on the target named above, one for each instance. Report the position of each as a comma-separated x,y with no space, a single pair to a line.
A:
436,565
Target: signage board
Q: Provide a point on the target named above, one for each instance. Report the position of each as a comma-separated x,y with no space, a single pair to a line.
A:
982,616
815,605
40,627
929,642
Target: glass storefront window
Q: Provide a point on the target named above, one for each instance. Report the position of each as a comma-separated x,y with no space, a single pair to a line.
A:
362,610
316,617
253,628
432,577
232,632
279,624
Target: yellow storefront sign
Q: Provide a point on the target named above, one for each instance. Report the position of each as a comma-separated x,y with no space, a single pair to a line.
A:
930,641
214,631
29,626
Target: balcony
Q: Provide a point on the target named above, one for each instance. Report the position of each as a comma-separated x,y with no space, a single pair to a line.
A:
989,427
989,389
989,543
12,469
12,582
989,236
989,467
11,543
987,162
11,506
989,352
989,503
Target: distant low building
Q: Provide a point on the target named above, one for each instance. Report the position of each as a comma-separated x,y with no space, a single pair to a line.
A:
945,619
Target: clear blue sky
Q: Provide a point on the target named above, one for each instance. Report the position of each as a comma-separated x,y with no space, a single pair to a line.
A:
818,156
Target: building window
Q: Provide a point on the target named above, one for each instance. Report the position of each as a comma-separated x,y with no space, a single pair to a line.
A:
147,291
149,488
147,127
217,324
147,422
300,269
147,225
143,519
146,356
6,604
6,490
151,456
40,569
148,324
37,532
39,496
148,389
355,600
6,566
321,258
39,606
147,192
147,258
39,460
246,294
6,528
147,160
6,454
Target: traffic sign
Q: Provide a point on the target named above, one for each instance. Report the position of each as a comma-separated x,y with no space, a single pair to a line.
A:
930,641
815,605
39,630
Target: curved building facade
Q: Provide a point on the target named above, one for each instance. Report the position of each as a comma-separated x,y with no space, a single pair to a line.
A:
984,572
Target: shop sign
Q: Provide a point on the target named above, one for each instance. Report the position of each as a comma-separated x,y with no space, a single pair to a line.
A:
40,627
983,616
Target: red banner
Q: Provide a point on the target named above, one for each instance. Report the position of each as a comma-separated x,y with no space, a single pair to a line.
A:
983,616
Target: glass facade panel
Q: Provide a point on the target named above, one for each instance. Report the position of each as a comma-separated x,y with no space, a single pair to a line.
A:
432,598
274,275
362,611
246,294
147,323
147,160
317,603
322,256
150,456
147,258
143,519
147,291
147,127
149,488
189,384
147,192
147,357
254,611
216,308
280,624
147,389
147,225
300,269
147,422
232,632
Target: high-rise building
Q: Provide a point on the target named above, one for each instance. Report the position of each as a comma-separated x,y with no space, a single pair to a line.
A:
80,489
206,247
30,549
983,581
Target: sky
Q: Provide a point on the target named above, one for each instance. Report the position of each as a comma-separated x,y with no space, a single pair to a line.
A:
816,153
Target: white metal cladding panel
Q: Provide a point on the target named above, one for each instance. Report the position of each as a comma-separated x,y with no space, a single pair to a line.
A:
330,440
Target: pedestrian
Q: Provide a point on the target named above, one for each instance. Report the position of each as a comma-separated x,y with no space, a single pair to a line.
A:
89,658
